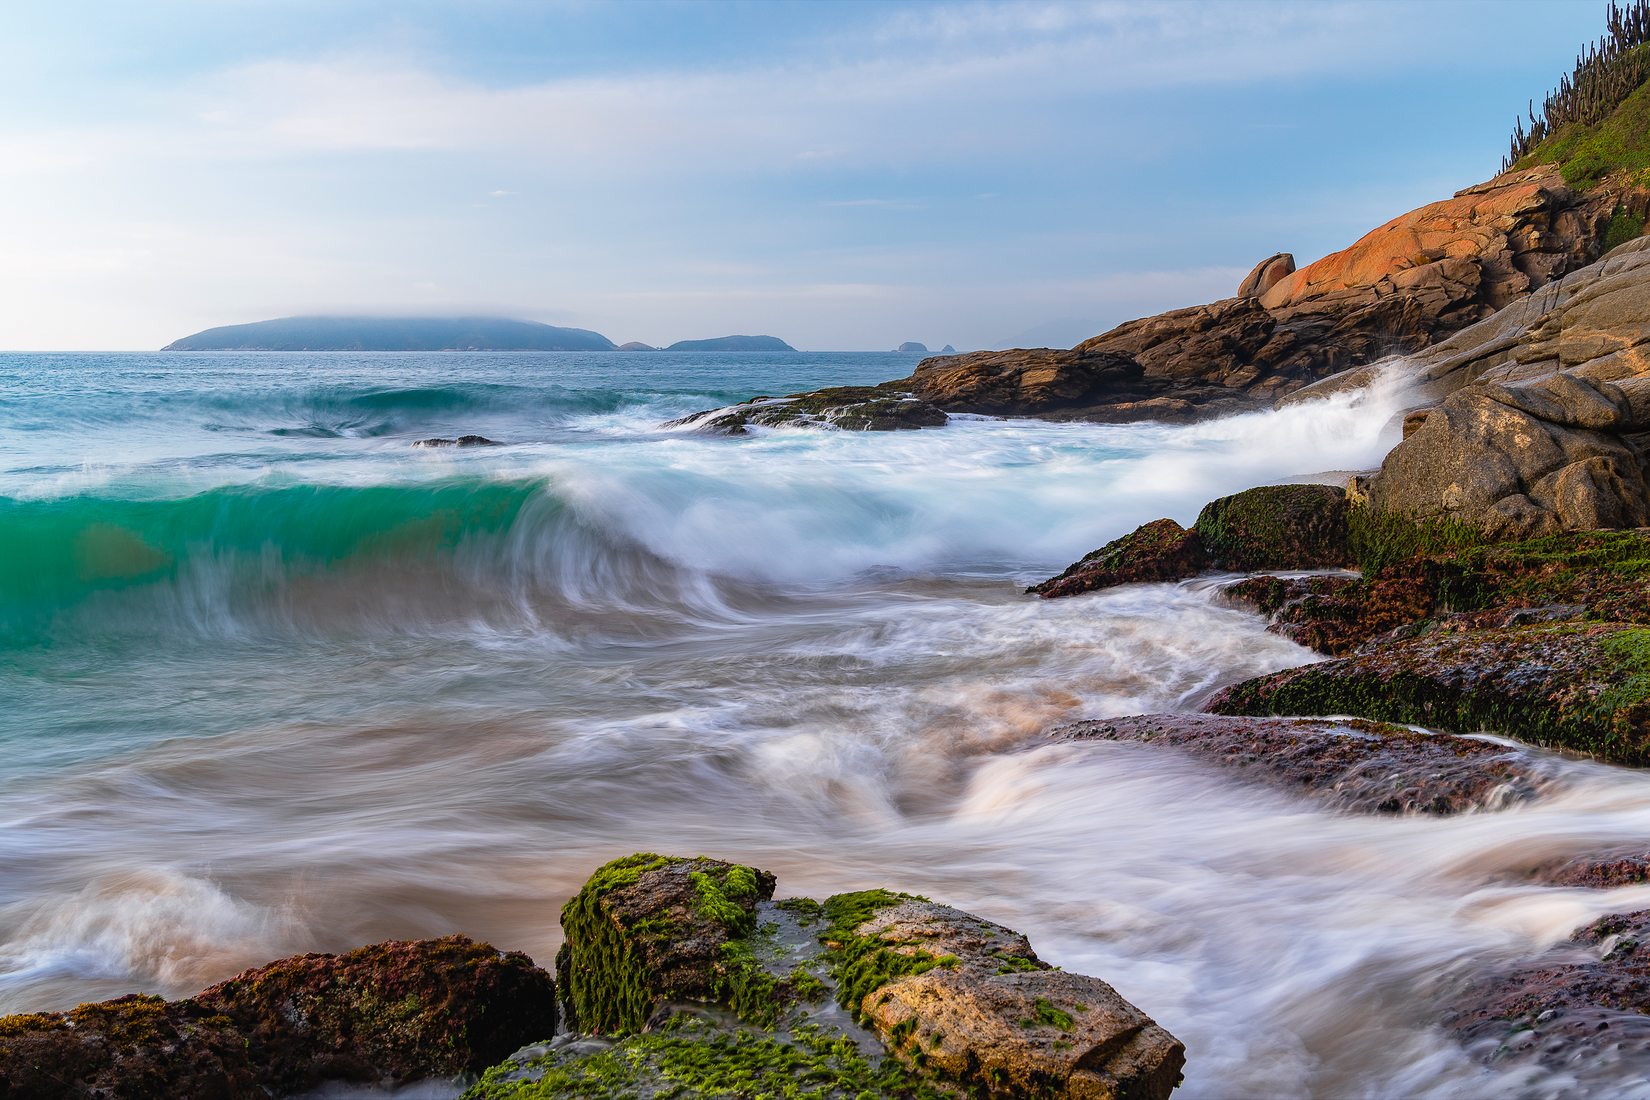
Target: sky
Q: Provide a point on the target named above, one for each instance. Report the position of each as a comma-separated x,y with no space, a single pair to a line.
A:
846,176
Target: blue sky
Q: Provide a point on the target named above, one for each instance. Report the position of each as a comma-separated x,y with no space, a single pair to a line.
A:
842,175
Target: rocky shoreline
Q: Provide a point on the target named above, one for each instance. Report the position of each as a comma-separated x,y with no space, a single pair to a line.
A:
1492,577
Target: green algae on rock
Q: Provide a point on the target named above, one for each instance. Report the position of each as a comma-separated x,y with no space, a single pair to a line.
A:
1269,527
1158,551
1277,527
1578,686
647,930
707,987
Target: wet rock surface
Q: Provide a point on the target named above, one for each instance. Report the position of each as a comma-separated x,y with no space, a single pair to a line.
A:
461,441
998,1020
1270,527
1544,639
707,987
1349,764
1158,551
1587,1001
848,408
1575,686
389,1013
134,1046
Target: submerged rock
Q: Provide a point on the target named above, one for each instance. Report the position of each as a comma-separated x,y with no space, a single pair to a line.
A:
461,441
1351,764
703,985
392,1012
849,408
1590,997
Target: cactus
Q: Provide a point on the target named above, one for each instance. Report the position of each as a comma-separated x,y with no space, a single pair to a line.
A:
1606,73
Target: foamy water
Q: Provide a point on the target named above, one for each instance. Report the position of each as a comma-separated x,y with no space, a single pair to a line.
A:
275,691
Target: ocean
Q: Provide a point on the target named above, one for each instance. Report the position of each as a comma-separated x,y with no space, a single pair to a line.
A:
275,680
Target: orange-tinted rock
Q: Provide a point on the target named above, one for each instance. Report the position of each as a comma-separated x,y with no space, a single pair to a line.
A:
1266,275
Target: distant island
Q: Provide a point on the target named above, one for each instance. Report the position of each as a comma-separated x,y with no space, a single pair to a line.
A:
917,347
393,334
733,343
636,345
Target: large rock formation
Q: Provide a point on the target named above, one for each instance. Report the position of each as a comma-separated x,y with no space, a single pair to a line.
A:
1548,404
1400,288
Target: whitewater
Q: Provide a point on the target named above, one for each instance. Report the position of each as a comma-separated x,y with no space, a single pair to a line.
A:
276,680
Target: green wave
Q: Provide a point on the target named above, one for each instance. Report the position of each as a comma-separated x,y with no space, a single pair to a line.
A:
55,553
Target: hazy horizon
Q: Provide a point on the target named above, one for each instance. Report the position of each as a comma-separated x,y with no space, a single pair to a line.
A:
844,177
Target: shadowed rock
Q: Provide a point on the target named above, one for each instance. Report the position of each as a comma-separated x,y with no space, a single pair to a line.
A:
392,1012
461,441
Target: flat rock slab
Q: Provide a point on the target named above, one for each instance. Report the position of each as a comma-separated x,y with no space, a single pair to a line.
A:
1352,764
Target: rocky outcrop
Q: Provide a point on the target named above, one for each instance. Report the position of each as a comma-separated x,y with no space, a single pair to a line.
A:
706,983
1399,289
1269,527
393,1012
1547,416
1350,764
1547,640
1266,275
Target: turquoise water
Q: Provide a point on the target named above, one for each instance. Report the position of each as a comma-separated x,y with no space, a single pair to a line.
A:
273,680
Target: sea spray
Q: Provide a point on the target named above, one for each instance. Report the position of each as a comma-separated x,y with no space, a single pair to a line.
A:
313,691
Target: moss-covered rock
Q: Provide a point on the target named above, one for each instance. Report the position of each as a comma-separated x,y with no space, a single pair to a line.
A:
1158,551
1277,527
1578,686
710,988
135,1048
693,1057
647,930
